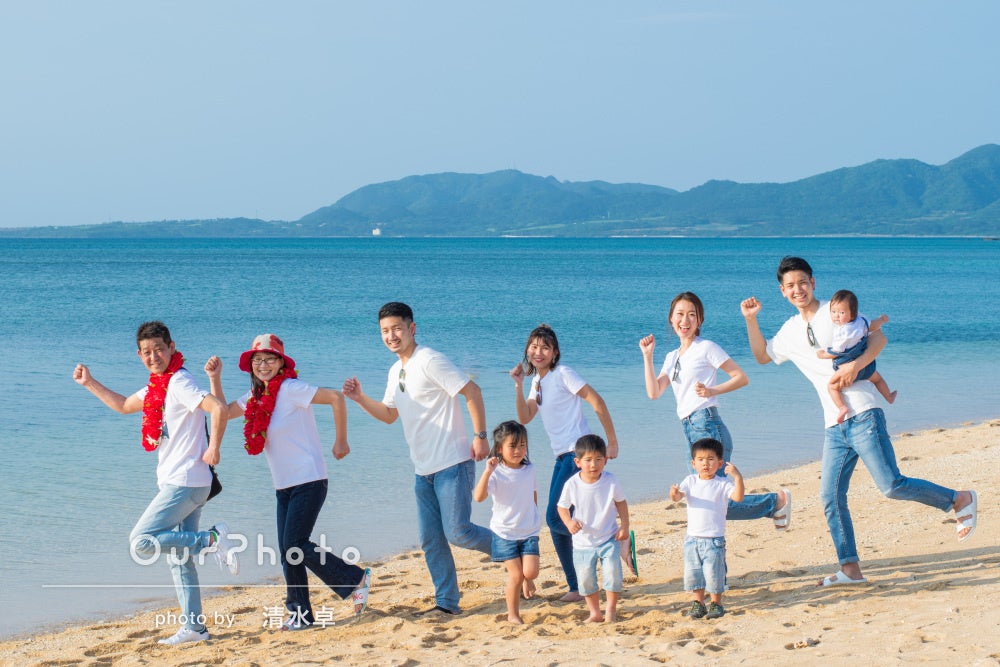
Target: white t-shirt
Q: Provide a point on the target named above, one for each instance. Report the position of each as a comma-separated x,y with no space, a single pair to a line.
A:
700,363
515,512
183,441
594,508
430,410
292,448
561,408
707,503
848,335
791,343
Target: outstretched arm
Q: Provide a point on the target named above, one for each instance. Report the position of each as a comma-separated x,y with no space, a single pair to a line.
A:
112,399
377,409
758,344
588,394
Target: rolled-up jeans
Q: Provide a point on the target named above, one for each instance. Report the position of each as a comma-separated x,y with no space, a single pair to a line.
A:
170,523
864,436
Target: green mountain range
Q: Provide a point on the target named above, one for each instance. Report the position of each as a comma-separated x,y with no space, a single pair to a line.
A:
884,197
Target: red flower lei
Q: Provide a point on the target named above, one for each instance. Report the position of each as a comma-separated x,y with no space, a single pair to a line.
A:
257,414
152,406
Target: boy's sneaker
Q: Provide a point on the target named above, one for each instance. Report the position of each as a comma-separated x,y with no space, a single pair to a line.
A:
715,610
225,549
697,610
185,635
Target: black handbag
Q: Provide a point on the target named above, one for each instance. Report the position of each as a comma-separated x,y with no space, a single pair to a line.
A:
216,484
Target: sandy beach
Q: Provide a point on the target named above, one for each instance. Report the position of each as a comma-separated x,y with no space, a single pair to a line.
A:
929,598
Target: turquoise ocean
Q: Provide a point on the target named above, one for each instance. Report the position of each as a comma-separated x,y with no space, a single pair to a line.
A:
75,477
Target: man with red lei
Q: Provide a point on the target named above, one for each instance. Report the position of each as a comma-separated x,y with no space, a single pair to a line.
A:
173,425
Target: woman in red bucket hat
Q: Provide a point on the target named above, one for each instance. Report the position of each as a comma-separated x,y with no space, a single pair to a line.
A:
279,421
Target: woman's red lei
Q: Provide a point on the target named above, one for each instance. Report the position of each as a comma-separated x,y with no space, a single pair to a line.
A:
152,406
257,414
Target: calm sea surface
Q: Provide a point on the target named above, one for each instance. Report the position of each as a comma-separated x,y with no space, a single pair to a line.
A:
76,479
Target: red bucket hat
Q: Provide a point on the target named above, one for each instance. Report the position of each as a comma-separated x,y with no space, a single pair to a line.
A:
266,343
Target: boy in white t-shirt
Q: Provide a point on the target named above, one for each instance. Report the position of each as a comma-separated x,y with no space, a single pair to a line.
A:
591,505
708,499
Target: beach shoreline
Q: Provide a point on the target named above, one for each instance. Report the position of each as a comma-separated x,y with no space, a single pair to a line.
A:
929,597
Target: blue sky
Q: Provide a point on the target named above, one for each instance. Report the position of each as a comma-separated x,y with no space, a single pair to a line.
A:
116,110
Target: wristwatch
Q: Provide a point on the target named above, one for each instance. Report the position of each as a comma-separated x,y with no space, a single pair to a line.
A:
481,435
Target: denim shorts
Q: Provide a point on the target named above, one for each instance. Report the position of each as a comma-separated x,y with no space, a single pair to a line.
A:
585,560
705,564
504,550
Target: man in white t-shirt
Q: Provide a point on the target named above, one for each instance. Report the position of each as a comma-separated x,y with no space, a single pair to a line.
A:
423,390
174,408
862,434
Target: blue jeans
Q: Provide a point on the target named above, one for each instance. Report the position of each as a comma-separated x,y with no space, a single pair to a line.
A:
564,468
170,522
585,562
444,513
298,509
706,423
705,564
864,436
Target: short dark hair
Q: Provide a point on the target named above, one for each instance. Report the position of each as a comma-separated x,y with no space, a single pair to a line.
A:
707,444
506,430
846,295
150,330
789,263
396,309
590,444
544,333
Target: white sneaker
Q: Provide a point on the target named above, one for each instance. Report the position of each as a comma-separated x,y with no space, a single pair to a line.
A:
225,549
185,635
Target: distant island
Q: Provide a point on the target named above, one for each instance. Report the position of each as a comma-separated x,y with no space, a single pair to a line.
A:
884,197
